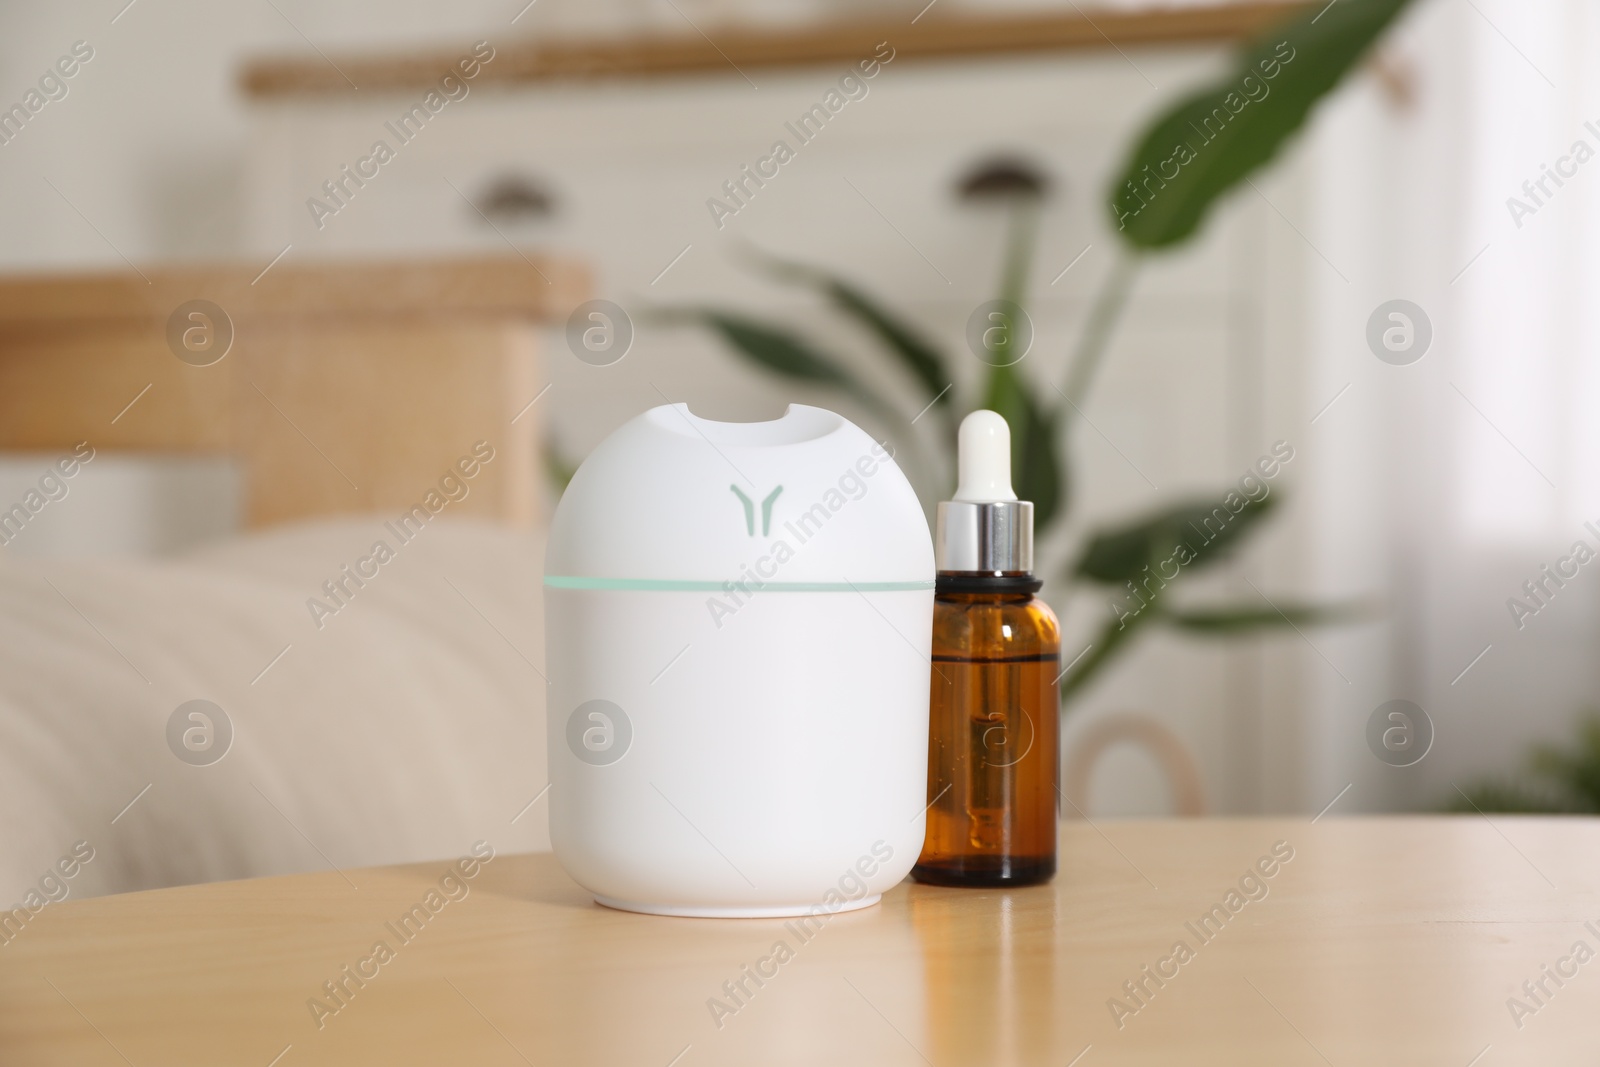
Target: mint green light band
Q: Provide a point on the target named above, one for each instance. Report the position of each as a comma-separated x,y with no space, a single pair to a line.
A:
673,585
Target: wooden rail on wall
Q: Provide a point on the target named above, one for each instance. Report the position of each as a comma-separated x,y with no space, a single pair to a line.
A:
347,387
728,49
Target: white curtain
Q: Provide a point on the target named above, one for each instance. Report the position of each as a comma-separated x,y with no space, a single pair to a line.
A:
1444,485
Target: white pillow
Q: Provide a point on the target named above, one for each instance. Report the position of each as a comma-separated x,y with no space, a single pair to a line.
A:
406,726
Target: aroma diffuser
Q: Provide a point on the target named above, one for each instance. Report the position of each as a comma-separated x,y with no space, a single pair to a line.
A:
738,621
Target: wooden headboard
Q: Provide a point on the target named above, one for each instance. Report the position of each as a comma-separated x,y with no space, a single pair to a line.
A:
347,387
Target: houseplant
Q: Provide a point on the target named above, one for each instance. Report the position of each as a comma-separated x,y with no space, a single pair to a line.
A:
1185,161
1556,779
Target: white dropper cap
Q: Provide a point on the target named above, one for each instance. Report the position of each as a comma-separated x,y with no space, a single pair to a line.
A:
983,459
985,529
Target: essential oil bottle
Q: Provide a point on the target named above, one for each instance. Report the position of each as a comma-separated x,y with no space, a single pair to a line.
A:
992,751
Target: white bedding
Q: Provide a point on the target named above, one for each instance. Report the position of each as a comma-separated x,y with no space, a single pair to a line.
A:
408,726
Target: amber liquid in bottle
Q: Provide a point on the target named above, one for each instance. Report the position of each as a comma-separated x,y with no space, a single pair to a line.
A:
992,749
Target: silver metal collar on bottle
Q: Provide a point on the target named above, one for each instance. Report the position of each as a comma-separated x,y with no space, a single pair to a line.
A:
984,537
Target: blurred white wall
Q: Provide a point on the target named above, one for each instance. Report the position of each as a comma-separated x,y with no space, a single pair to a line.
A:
117,504
148,149
1449,482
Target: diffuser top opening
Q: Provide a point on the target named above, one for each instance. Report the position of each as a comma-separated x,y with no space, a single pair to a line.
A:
799,423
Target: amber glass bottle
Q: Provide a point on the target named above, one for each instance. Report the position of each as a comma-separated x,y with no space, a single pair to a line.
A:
992,744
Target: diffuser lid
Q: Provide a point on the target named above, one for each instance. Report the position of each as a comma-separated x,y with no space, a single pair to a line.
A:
671,500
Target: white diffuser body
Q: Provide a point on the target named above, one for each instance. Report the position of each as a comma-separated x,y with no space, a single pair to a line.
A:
739,621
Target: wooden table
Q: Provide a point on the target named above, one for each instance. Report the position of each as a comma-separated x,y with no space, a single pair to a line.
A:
1381,941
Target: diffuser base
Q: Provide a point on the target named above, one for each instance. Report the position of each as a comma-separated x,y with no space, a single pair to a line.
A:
781,911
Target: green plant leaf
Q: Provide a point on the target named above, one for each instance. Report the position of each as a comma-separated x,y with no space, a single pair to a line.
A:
1193,534
1207,622
1561,778
1036,470
1215,138
557,467
1108,643
1041,476
1228,621
1576,770
1513,798
772,347
919,356
783,352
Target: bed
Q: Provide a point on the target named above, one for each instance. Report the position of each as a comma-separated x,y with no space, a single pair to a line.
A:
294,698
